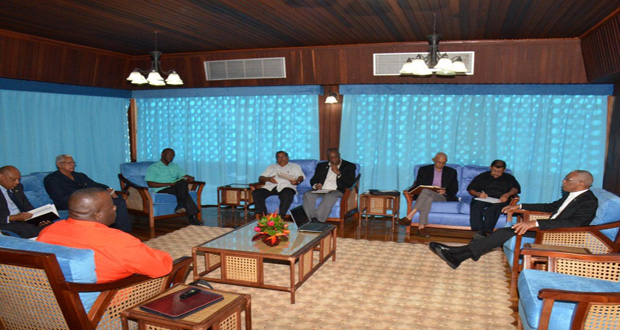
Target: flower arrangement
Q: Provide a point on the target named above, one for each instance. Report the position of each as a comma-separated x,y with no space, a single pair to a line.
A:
271,228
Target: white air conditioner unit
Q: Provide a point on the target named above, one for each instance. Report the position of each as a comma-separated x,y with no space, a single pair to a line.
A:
250,68
389,64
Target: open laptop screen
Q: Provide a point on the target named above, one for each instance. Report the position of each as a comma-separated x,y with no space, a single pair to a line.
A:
299,216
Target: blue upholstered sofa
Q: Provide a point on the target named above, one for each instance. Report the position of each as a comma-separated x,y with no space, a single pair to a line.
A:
35,191
453,214
343,209
143,201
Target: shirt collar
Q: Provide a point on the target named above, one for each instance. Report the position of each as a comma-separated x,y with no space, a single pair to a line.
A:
577,193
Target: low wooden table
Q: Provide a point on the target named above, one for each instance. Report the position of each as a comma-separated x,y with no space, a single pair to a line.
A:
223,315
242,261
380,205
234,195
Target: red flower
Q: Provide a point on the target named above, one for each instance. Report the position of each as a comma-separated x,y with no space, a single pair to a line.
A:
257,228
270,223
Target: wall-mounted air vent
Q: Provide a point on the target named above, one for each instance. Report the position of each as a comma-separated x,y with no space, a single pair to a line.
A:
251,68
389,64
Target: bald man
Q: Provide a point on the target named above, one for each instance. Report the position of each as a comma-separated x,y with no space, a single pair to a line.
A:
117,254
14,205
575,209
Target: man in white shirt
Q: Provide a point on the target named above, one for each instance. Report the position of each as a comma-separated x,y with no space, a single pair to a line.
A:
329,182
575,209
279,179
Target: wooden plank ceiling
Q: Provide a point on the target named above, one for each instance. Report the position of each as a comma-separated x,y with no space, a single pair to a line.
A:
209,25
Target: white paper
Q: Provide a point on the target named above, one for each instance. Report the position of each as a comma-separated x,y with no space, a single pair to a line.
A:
488,200
286,176
321,191
39,211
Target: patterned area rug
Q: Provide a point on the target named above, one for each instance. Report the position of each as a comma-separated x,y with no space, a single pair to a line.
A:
373,285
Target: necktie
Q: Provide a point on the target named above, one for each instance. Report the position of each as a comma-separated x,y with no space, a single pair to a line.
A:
14,199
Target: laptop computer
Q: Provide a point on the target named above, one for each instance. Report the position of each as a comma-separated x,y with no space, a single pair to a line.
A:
304,224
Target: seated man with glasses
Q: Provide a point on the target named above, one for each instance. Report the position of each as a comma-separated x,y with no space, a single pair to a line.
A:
575,209
64,182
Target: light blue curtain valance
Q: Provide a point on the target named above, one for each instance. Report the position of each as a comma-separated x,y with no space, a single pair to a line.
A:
232,91
228,139
541,137
478,89
35,127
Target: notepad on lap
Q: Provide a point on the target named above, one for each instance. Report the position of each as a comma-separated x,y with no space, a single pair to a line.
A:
174,307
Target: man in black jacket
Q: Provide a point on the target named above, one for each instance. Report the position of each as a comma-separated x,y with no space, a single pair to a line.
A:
64,182
14,205
329,182
575,209
432,175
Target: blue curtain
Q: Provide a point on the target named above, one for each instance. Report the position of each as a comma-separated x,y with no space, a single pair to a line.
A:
35,127
541,137
228,139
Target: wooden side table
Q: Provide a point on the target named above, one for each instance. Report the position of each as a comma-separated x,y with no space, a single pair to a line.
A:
379,205
234,195
223,315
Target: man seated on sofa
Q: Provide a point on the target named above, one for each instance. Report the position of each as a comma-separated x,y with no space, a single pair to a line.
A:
14,205
117,254
575,209
280,179
329,181
65,181
169,178
432,175
493,184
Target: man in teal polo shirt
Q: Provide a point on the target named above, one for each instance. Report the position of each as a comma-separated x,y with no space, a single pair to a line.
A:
168,177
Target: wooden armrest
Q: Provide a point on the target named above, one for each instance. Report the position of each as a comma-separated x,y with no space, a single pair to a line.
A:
514,200
565,295
256,185
559,248
611,257
199,183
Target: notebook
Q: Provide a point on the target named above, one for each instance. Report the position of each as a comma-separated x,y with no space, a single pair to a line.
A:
303,223
173,306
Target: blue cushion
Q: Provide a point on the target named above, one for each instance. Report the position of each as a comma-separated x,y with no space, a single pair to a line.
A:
608,210
135,172
530,306
445,207
35,190
77,265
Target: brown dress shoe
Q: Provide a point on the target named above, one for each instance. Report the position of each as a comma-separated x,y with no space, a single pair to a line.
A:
422,232
404,221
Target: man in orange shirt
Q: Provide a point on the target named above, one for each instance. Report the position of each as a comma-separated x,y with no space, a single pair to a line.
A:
117,254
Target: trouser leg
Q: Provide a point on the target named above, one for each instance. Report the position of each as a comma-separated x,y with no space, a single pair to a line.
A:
260,195
122,222
476,209
423,204
491,215
181,191
310,204
326,204
286,198
496,239
23,229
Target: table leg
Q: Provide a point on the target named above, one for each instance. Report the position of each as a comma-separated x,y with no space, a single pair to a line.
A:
292,288
248,312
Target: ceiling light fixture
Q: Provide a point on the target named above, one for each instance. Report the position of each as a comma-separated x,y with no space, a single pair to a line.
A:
434,62
154,75
332,98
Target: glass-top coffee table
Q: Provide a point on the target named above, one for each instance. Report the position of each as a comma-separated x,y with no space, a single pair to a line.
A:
241,261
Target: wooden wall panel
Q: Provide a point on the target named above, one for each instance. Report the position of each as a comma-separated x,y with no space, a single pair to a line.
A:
601,49
611,179
32,58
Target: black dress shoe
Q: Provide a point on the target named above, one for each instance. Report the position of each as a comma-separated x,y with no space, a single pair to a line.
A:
193,221
442,251
404,221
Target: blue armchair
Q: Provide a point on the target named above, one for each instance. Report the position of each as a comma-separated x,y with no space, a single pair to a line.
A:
346,207
36,193
602,236
579,291
142,201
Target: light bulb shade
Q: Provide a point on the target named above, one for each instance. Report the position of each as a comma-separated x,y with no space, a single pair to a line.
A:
458,66
420,68
135,74
140,80
331,99
154,76
157,83
444,64
174,79
407,68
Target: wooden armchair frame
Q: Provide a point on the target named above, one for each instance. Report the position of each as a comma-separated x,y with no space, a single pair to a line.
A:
589,237
35,295
592,307
140,201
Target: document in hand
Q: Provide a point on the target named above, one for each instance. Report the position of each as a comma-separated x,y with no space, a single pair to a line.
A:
417,190
321,191
286,176
43,213
488,200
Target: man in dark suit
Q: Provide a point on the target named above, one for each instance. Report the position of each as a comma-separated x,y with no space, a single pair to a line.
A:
576,209
329,182
14,205
64,182
432,175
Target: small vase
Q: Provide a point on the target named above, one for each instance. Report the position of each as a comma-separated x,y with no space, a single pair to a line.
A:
271,242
